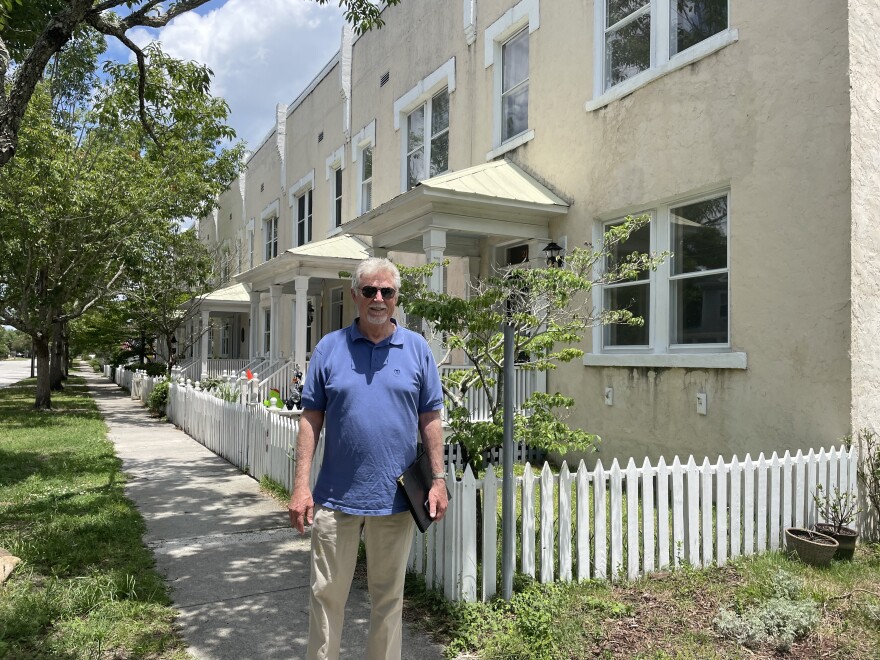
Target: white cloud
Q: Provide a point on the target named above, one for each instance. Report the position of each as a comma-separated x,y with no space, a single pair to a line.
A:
262,52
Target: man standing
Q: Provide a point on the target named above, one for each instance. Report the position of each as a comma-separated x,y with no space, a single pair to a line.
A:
372,386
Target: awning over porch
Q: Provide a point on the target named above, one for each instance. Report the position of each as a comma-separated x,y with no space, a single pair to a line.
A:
300,272
498,202
231,298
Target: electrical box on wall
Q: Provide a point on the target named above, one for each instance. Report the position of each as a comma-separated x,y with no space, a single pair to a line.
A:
609,396
701,403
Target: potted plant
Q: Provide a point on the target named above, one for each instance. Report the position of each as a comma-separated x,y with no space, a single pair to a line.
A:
810,546
838,510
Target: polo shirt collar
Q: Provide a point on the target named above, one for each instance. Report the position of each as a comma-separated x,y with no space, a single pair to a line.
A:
395,339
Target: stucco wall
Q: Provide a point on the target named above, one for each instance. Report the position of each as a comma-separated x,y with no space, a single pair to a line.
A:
766,117
864,56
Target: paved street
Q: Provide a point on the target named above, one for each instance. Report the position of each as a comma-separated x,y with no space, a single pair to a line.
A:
12,371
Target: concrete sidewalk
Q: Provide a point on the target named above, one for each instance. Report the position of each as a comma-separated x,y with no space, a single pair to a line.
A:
239,574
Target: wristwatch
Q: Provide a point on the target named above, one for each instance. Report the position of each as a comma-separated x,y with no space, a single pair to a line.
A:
438,475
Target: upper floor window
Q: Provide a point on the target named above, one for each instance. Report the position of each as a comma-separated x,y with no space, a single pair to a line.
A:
427,139
304,218
515,85
684,303
337,197
270,233
366,179
506,44
628,26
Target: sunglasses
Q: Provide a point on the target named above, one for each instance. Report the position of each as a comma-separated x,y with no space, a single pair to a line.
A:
370,292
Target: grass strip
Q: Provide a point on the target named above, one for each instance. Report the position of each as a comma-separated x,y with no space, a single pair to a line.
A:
86,587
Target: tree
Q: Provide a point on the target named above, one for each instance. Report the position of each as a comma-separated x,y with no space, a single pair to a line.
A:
549,309
166,292
32,32
89,190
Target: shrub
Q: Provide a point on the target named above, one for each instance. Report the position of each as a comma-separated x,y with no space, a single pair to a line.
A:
780,620
159,397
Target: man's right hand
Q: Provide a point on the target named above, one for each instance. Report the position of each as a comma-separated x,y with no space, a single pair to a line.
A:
301,510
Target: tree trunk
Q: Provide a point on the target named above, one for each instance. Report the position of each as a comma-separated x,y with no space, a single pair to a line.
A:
65,356
44,393
55,367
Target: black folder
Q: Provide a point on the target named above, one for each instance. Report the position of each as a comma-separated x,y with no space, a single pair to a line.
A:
415,483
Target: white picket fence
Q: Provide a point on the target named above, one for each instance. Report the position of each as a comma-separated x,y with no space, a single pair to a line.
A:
627,522
605,523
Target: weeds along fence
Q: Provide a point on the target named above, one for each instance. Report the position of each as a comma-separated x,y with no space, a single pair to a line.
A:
605,523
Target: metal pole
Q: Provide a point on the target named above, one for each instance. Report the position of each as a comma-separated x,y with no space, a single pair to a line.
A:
507,499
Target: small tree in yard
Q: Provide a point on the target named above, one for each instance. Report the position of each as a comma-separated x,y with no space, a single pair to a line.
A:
549,309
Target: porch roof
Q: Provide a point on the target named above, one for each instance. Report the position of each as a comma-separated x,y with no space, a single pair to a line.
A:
231,298
319,259
496,200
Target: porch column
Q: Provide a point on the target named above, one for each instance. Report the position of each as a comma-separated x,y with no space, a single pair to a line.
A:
274,320
382,253
434,244
206,328
300,320
254,332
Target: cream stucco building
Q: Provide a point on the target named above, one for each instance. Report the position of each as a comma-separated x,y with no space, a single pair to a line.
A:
748,130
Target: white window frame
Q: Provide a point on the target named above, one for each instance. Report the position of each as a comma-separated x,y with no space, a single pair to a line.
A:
298,190
267,330
225,335
428,139
365,139
661,63
252,239
336,163
524,13
337,305
269,221
660,352
419,95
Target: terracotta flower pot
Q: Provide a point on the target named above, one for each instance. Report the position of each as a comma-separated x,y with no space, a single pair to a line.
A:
845,536
811,547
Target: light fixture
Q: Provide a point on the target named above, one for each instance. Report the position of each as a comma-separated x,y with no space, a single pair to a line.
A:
554,254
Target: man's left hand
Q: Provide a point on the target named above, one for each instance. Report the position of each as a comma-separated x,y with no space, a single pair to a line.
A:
437,500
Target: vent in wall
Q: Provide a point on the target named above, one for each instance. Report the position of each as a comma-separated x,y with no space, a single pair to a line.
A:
321,136
384,79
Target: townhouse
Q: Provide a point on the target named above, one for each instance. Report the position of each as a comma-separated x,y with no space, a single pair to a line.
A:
481,131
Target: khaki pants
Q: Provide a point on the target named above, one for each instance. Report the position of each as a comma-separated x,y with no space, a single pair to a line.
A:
335,540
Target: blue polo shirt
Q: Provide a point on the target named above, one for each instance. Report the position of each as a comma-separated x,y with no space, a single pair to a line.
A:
371,396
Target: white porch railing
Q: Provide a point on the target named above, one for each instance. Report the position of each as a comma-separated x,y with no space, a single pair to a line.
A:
525,384
221,366
278,376
603,523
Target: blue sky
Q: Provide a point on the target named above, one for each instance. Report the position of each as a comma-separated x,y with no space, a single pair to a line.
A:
262,52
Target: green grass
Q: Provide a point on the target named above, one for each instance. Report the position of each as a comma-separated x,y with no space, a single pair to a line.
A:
86,587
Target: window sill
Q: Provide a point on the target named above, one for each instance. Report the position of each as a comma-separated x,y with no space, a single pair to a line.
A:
703,49
511,144
681,360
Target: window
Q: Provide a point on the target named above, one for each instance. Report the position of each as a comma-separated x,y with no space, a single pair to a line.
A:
337,197
515,85
685,302
366,179
224,339
270,232
304,218
267,330
678,25
334,165
336,306
427,139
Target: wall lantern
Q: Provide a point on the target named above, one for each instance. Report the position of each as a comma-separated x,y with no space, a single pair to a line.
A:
554,254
